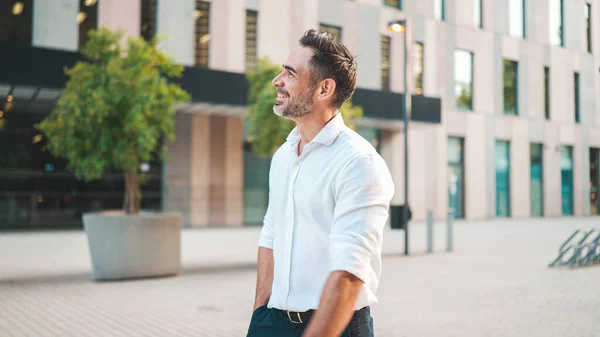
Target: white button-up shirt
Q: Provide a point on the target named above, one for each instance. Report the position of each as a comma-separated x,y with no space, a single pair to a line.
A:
327,211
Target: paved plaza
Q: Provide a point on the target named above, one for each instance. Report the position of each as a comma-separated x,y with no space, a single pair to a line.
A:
495,283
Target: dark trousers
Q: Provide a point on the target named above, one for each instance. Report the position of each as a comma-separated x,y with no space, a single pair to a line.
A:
267,322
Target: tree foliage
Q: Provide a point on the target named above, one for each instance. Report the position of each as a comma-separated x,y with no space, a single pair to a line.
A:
267,130
117,107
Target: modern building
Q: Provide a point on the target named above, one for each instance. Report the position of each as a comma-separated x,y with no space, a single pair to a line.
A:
504,104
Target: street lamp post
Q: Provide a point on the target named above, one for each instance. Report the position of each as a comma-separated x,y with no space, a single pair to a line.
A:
399,26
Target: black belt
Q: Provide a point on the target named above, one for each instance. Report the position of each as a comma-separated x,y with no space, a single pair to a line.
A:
297,317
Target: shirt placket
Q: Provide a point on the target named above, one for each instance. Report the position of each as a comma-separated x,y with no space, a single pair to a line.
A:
291,221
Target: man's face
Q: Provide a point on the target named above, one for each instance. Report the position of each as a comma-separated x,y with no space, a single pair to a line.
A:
294,95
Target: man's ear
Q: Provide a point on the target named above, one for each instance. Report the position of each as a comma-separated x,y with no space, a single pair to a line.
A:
326,89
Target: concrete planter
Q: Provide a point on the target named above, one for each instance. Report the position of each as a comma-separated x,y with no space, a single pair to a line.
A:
133,246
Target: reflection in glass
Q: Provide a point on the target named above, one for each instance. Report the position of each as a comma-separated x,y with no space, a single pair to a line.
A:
418,68
594,181
588,25
148,19
394,3
440,9
576,96
463,79
456,176
511,89
335,31
547,92
251,39
502,154
556,23
516,16
87,19
537,181
478,13
16,21
36,189
256,186
202,16
566,179
385,62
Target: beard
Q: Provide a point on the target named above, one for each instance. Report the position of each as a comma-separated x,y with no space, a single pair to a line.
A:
295,107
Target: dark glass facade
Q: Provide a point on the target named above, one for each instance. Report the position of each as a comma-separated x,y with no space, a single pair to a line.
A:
16,21
36,189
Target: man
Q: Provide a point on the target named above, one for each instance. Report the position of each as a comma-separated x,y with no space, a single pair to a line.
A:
319,256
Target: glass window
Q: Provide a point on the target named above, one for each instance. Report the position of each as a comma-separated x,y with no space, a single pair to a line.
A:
251,39
148,21
517,18
456,176
16,21
511,90
440,9
385,62
202,15
87,19
502,154
394,3
566,179
547,92
594,181
576,96
256,186
418,68
335,31
463,79
557,33
537,180
36,189
588,25
478,13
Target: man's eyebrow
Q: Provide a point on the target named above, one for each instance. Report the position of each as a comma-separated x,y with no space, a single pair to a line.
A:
290,69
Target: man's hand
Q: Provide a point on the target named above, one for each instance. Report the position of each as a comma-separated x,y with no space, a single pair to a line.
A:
336,306
264,279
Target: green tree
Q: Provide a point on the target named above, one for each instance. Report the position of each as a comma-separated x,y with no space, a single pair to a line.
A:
267,130
115,111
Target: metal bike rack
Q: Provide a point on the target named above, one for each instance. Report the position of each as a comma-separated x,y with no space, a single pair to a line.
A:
585,252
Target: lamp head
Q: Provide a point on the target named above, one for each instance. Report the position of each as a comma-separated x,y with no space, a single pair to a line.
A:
397,26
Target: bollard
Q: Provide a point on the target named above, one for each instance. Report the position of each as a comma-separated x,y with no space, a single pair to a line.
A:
449,230
429,231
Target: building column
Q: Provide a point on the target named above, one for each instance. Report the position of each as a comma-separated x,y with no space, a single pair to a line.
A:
227,35
176,22
120,14
234,173
200,171
176,183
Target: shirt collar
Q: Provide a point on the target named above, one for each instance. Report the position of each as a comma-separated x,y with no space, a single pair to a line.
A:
326,136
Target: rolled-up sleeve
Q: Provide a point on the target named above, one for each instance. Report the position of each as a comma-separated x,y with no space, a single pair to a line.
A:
364,189
266,233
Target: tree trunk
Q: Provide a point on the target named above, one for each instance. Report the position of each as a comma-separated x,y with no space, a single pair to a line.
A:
133,197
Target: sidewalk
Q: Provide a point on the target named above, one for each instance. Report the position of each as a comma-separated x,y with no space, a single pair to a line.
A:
495,283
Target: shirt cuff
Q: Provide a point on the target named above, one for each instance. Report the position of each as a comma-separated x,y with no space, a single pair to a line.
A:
266,237
352,258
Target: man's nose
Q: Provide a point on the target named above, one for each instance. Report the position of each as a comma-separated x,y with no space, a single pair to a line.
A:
277,81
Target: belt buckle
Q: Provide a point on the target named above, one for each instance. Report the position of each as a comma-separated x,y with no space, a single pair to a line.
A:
299,318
